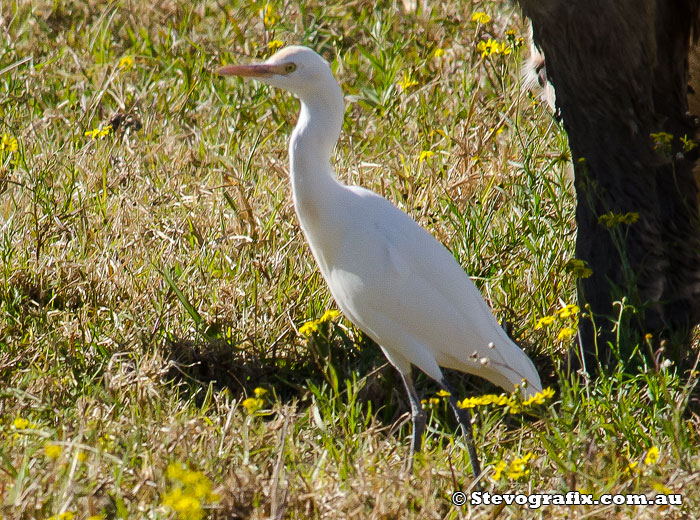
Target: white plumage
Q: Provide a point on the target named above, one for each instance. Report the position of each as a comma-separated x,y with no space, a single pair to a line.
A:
389,276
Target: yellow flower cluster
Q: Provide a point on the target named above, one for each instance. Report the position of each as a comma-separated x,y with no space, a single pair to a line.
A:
513,471
433,401
52,451
485,400
516,41
20,423
269,16
579,268
190,491
539,397
99,133
253,404
614,219
425,155
490,47
273,45
68,515
407,81
8,144
511,401
566,333
312,326
570,312
652,456
481,18
662,141
126,62
688,143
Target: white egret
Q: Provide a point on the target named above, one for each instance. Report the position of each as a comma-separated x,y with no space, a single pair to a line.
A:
391,277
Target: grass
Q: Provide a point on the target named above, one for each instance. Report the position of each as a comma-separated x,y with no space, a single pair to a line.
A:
154,276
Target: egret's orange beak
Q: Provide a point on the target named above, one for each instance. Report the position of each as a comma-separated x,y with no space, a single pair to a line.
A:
254,70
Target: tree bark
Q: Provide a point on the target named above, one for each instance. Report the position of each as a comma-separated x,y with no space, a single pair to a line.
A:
620,71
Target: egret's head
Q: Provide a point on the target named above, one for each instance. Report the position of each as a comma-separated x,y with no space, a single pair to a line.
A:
296,69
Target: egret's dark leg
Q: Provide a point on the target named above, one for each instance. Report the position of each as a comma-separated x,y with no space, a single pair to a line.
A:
418,416
465,419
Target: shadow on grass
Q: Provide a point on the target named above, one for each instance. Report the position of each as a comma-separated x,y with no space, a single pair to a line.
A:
329,358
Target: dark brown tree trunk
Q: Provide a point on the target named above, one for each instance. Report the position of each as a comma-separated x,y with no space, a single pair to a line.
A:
620,71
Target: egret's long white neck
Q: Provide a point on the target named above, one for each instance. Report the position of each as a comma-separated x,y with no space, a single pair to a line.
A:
313,140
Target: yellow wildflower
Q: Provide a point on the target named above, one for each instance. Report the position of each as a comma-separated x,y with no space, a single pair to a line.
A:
481,18
52,451
484,47
578,268
566,333
613,219
68,515
661,488
329,315
312,326
652,456
518,467
442,393
544,321
438,52
539,397
106,441
629,218
186,506
688,143
492,47
502,48
498,469
252,404
568,311
433,401
407,81
188,493
99,133
662,141
8,143
20,423
274,45
269,17
308,328
485,400
425,154
259,392
126,62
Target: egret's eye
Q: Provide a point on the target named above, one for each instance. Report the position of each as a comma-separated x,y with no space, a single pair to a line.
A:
289,67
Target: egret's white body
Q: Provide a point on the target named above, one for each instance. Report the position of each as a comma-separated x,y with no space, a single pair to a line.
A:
389,276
